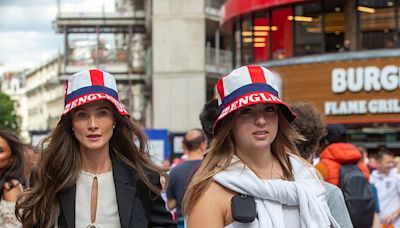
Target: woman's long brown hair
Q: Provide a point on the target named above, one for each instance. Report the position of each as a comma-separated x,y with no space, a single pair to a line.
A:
221,152
60,164
15,168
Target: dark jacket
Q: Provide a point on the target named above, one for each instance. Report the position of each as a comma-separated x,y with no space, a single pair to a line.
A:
137,205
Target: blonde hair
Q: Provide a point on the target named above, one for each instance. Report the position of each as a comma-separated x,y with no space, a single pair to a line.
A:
221,152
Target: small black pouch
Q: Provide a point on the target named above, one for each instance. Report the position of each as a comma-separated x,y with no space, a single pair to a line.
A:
243,208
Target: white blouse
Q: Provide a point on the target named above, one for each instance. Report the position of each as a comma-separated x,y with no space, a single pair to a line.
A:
107,208
7,215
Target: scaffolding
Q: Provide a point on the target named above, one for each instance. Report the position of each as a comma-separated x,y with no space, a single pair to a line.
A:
113,36
110,41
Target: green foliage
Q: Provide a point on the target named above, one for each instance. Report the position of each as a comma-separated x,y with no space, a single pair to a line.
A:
8,117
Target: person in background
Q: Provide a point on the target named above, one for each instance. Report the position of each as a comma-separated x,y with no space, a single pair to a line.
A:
387,183
372,163
397,163
195,142
12,177
253,159
91,171
311,124
336,154
390,43
369,160
346,46
377,221
31,157
364,154
207,117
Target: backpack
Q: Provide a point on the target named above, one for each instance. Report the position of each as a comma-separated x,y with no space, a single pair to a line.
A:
357,195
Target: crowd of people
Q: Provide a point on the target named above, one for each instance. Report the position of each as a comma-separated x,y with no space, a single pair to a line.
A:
256,162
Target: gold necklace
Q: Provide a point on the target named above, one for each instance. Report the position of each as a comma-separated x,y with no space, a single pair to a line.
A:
272,169
261,176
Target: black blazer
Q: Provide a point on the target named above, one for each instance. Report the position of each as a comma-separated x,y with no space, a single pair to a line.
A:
137,205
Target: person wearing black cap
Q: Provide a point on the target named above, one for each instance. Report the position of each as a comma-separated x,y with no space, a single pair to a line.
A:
252,175
336,151
91,172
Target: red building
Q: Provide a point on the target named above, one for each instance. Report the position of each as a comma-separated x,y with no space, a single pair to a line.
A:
342,55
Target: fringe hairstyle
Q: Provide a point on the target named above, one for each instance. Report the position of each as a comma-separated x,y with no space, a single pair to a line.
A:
221,152
60,163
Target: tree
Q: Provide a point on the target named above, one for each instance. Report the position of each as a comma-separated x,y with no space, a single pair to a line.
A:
8,116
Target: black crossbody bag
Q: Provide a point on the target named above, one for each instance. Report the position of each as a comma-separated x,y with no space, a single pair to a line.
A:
243,208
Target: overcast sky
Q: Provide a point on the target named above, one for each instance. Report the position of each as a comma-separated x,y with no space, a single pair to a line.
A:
27,38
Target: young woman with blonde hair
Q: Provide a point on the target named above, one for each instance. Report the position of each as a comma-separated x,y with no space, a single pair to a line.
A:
252,175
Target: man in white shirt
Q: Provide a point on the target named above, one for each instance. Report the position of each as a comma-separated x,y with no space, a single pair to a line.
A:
388,185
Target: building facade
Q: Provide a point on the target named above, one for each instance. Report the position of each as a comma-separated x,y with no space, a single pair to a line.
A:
13,84
187,60
45,93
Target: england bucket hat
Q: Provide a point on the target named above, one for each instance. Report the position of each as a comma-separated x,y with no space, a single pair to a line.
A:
89,86
246,86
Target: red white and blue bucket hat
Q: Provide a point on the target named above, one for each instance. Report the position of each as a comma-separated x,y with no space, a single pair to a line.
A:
89,86
246,86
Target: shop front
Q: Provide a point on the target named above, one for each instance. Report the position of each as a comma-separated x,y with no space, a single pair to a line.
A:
357,90
344,56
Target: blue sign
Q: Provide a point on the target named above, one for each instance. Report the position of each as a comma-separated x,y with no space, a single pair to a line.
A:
158,144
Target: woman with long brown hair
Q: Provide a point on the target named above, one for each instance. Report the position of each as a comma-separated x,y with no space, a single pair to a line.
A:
11,176
252,175
91,173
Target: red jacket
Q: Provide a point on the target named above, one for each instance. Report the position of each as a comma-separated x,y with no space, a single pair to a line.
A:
334,156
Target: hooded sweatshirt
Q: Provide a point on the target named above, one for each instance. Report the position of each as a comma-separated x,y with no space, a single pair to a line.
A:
334,156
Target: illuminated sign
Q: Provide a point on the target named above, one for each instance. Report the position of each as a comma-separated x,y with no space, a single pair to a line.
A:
353,107
366,79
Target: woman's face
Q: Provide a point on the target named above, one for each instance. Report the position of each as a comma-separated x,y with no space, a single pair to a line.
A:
5,154
93,125
255,127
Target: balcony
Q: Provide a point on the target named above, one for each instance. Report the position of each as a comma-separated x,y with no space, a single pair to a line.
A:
218,61
103,22
110,59
212,7
111,41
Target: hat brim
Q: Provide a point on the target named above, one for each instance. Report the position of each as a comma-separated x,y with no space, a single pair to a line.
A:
92,97
251,99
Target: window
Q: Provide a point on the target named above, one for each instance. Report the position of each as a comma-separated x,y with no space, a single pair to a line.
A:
315,27
247,40
308,29
377,24
261,31
237,44
282,33
334,26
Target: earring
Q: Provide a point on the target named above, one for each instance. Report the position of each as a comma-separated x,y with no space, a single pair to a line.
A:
72,129
114,126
